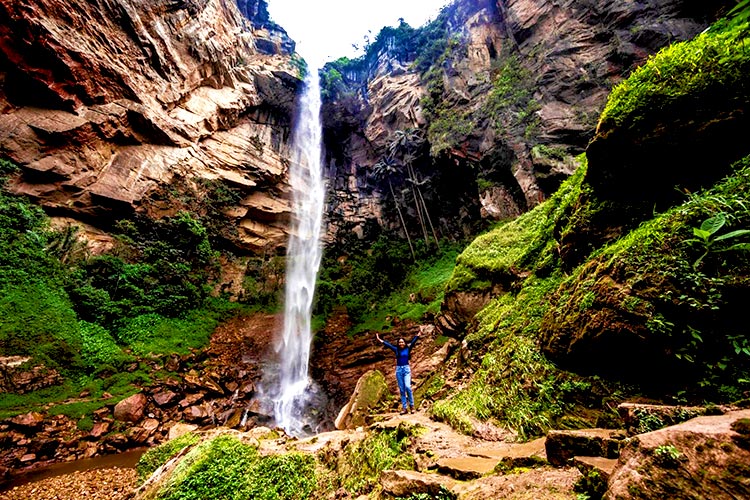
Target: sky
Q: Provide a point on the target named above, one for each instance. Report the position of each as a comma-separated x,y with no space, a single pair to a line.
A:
326,29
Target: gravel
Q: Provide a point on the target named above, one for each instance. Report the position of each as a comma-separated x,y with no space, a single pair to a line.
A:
95,484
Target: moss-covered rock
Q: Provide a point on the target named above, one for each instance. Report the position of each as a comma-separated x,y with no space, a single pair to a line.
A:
678,121
228,465
499,261
370,391
662,305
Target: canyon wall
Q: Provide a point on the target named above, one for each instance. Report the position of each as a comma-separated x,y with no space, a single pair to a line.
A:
505,92
116,107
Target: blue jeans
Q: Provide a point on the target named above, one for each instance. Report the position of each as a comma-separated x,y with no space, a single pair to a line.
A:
403,377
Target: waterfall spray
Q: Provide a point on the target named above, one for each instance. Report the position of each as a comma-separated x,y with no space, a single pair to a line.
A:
303,260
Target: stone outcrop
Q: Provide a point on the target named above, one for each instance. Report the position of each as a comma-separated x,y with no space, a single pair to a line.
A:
108,107
562,446
706,457
17,377
560,62
131,409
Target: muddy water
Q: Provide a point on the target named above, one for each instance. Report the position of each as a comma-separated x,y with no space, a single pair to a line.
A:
126,460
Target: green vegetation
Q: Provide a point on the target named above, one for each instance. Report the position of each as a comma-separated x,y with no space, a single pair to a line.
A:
156,457
422,47
225,468
514,384
87,317
365,460
681,299
377,283
524,244
668,455
712,67
510,102
442,494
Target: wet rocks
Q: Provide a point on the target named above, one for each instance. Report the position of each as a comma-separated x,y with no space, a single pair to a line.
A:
564,445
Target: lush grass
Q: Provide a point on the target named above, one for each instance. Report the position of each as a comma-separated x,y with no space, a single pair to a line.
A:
419,296
514,385
226,468
713,65
383,281
154,333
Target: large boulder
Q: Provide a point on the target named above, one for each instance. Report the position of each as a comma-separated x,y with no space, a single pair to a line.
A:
131,409
370,391
707,457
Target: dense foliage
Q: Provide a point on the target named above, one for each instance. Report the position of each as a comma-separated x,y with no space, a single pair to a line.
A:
381,281
87,316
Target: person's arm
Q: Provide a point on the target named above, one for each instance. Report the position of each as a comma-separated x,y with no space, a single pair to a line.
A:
387,344
414,340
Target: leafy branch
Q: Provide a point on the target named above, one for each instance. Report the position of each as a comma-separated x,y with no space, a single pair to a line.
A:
705,237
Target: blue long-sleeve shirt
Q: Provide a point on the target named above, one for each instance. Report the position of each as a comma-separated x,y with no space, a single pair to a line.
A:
402,355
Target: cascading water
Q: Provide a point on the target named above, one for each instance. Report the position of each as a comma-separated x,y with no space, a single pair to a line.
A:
292,397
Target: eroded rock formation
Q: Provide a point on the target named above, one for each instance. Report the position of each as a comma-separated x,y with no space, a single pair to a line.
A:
514,96
111,107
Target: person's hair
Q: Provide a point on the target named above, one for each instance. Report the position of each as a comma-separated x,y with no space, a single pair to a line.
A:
401,340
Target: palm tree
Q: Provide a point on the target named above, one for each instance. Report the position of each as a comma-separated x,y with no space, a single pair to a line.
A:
385,169
406,142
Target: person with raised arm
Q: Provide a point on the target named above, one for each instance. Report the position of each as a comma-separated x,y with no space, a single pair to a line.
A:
403,371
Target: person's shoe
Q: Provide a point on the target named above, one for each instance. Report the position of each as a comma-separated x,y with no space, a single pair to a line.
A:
403,412
411,409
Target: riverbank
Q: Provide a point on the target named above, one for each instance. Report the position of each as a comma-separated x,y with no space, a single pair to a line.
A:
96,484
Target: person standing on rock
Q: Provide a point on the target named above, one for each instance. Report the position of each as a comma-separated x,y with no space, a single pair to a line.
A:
403,371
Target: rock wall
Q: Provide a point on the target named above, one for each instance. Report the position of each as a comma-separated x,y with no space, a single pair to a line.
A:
117,106
515,96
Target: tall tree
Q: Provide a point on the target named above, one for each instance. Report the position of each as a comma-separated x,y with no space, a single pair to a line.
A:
406,143
385,169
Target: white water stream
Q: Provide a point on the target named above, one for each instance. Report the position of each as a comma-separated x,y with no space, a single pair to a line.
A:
303,260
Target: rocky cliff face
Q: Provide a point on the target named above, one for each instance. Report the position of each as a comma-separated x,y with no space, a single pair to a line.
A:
506,94
116,106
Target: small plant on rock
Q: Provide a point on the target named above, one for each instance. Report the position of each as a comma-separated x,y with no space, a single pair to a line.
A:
705,237
668,456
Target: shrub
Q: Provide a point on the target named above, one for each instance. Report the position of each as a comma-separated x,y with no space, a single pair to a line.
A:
99,347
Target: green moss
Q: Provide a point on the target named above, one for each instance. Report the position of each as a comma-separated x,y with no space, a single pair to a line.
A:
515,384
654,282
225,468
702,69
525,244
156,457
363,461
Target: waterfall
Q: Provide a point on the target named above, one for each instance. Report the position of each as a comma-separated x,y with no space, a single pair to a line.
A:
294,390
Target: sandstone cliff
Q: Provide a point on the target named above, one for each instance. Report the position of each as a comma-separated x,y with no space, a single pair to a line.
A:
116,106
506,93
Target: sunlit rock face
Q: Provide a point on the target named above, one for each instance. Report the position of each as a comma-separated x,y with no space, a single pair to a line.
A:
112,107
560,61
